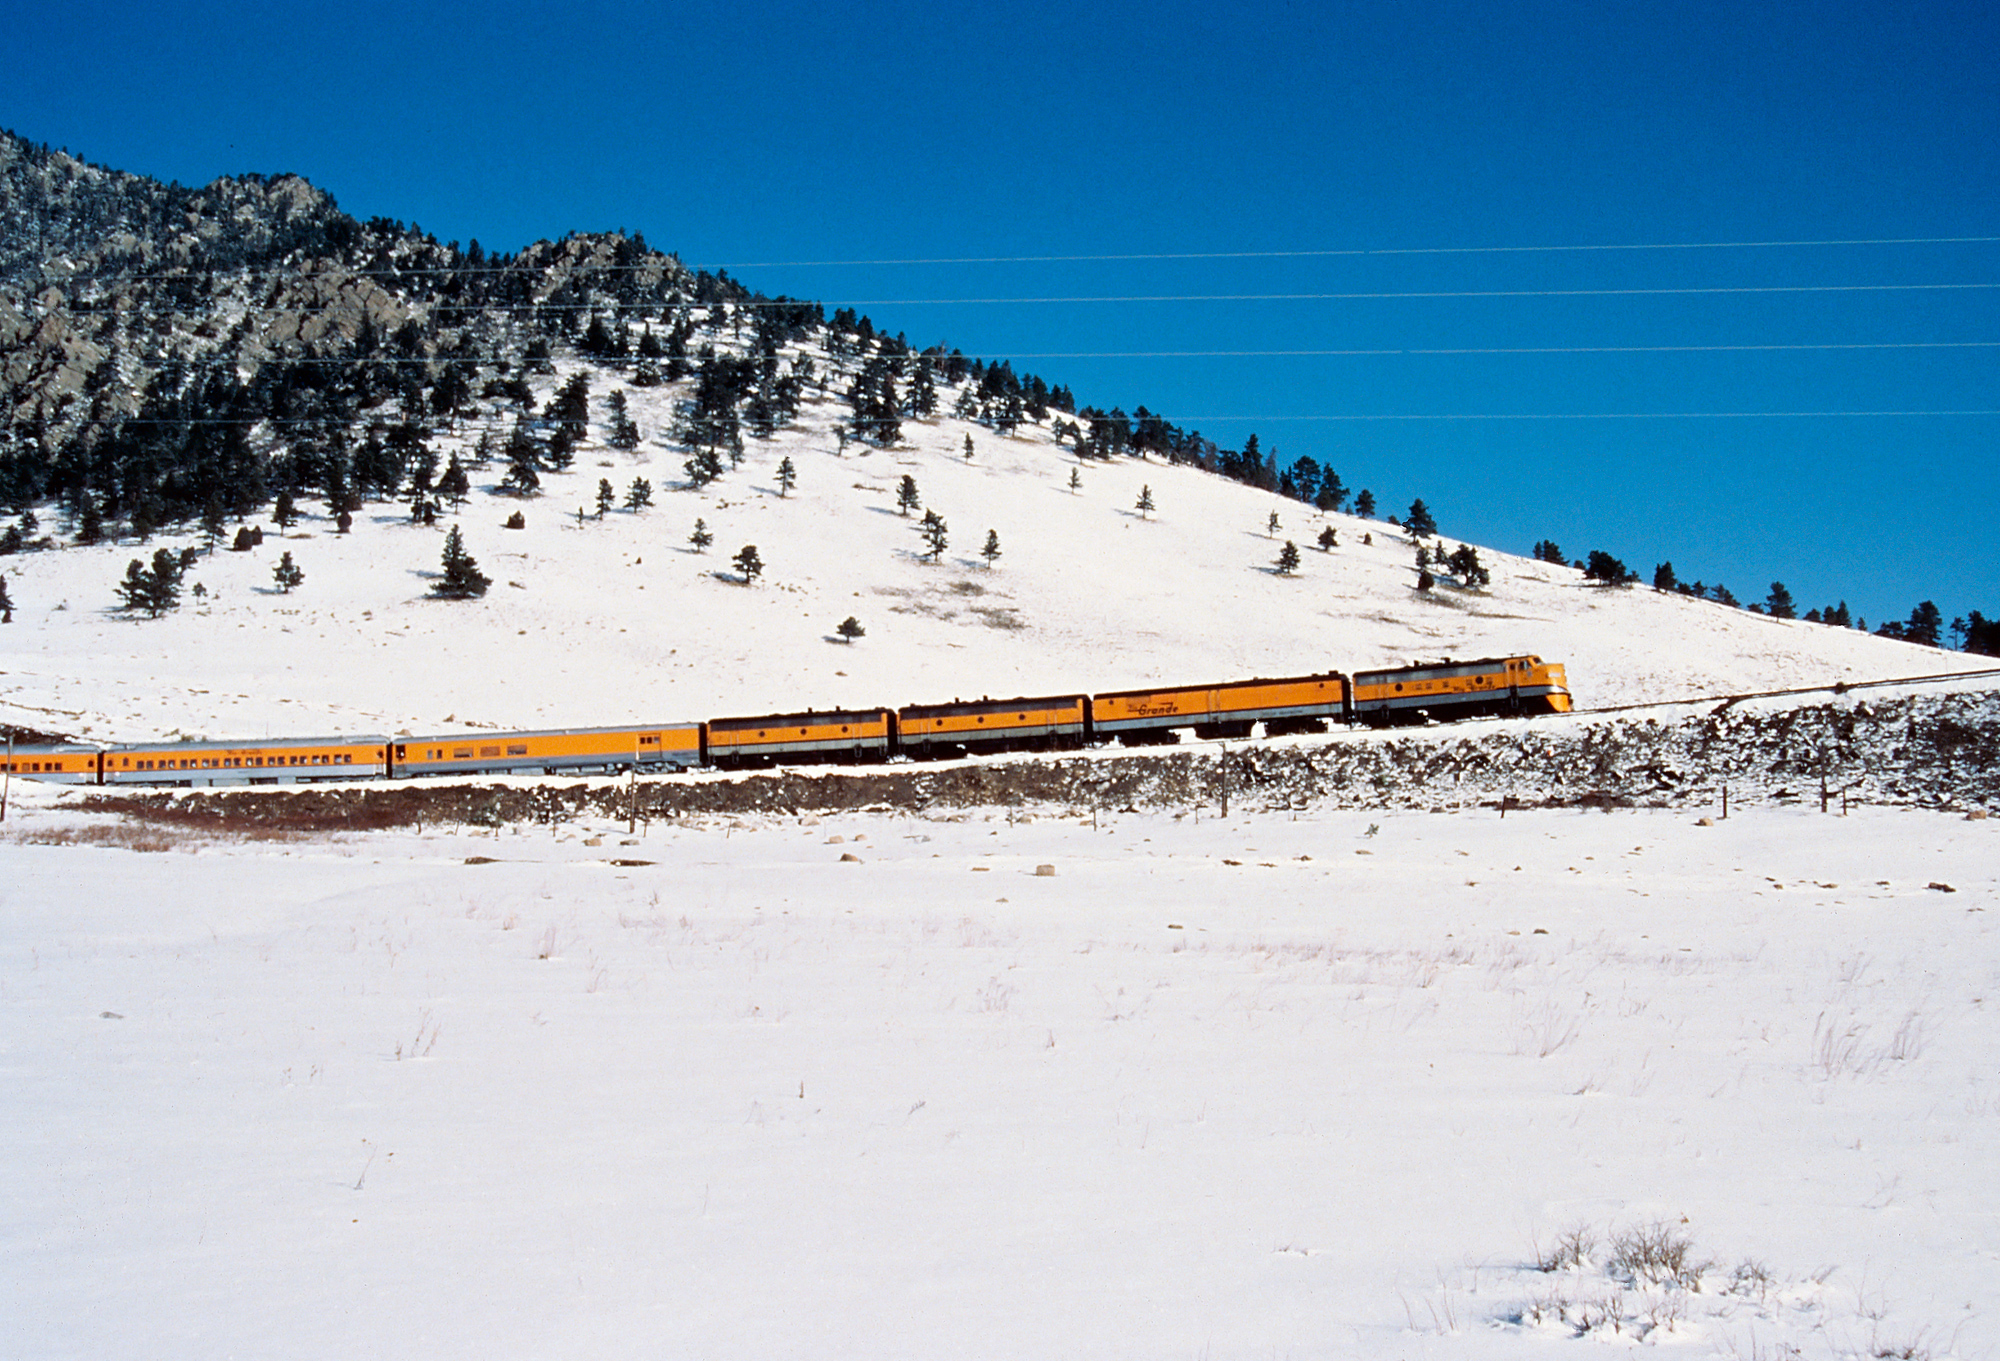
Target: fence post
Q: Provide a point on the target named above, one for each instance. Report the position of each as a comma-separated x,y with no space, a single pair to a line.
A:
1725,803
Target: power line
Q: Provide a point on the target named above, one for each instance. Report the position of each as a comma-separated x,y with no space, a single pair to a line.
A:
1357,252
1502,349
1427,293
670,265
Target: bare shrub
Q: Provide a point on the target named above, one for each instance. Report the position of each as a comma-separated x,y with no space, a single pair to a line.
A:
1657,1254
1570,1251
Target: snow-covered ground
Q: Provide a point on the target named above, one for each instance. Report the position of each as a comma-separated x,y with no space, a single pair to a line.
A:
1323,1086
620,620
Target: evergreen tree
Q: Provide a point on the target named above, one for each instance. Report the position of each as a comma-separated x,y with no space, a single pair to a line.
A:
907,498
1364,504
211,523
1465,565
1779,604
701,538
1419,522
7,604
1328,539
1981,635
968,447
90,523
1548,550
788,476
455,484
606,498
1663,577
1607,569
1332,491
991,550
640,495
154,589
1144,505
1288,559
935,535
748,563
462,579
1075,481
703,468
1271,525
624,431
850,629
284,514
287,574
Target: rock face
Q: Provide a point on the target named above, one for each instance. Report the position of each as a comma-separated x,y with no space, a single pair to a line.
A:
117,290
1925,750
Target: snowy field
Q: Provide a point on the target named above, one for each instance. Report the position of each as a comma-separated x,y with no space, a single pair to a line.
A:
1257,1087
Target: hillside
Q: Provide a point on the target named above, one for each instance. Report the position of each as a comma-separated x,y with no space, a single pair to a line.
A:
614,618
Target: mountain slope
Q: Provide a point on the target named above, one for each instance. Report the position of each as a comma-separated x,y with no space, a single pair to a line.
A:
605,620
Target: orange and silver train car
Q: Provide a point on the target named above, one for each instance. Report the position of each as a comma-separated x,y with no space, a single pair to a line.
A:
839,735
1045,723
673,746
1452,689
291,761
1292,705
65,764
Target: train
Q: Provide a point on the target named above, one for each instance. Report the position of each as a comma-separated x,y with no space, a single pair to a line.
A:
1424,693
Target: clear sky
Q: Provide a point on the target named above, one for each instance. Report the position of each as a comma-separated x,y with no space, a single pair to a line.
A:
1272,141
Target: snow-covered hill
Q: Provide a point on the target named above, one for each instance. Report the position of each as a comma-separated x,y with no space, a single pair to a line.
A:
604,620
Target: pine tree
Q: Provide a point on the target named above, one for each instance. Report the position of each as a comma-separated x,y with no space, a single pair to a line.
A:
624,432
455,485
907,498
1075,481
606,498
462,579
935,535
640,495
287,574
1465,565
1663,576
1779,604
284,514
703,468
1609,570
1364,504
992,547
850,629
788,476
211,523
968,447
1145,503
7,604
701,538
154,589
1328,539
748,563
1548,550
1271,525
1419,522
1288,559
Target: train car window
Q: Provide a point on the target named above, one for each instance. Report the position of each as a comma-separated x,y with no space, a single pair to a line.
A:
489,751
518,749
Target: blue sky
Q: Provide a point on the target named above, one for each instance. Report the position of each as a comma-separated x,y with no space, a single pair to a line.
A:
775,139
